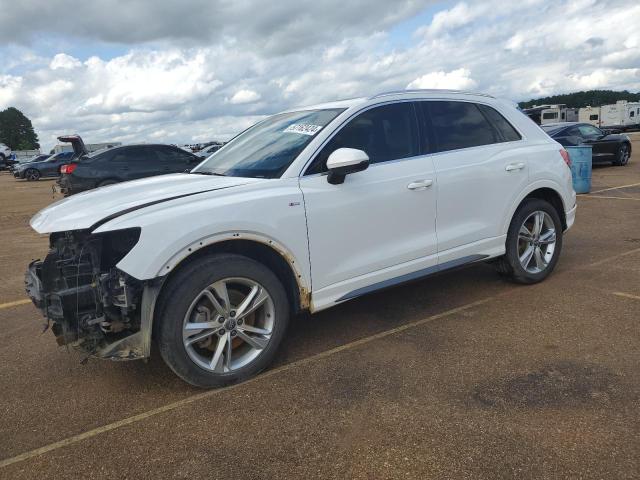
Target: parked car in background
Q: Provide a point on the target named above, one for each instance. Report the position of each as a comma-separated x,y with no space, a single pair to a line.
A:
305,210
5,154
36,158
35,170
607,146
120,164
206,151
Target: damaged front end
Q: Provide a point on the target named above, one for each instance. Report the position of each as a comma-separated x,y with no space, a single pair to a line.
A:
88,302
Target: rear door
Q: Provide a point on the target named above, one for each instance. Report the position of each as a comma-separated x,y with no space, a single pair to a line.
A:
137,162
480,173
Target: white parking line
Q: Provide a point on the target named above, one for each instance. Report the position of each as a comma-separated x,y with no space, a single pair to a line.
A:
616,188
210,393
608,198
626,295
14,303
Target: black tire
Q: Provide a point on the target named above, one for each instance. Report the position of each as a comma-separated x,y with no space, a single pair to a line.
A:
509,265
106,182
622,155
184,287
32,174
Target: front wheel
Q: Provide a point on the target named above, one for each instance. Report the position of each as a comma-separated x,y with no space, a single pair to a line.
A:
221,319
32,175
534,242
622,155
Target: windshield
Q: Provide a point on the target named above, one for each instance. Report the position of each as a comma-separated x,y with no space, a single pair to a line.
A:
268,148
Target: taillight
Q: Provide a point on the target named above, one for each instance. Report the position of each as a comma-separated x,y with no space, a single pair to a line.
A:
68,168
565,157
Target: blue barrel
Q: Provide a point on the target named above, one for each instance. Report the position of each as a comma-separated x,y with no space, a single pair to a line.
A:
581,167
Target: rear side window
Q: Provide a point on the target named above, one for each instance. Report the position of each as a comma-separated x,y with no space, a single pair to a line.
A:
456,125
504,128
172,156
135,156
384,133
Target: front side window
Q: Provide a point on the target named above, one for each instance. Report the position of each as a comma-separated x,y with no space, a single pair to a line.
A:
458,125
387,132
268,148
589,131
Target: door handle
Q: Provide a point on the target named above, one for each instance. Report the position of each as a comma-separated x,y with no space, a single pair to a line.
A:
420,185
514,166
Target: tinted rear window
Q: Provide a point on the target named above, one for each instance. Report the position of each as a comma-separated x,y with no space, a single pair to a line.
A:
458,125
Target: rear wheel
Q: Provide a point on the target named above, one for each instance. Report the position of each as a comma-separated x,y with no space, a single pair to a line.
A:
534,242
221,320
622,156
31,174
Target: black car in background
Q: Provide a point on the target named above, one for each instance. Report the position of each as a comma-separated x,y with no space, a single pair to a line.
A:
119,164
49,167
606,146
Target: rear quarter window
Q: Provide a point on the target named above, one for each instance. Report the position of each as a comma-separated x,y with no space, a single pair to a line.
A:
501,124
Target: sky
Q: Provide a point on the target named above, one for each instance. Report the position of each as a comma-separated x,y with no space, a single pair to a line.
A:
186,71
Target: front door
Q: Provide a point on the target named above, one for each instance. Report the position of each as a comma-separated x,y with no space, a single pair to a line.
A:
603,148
377,227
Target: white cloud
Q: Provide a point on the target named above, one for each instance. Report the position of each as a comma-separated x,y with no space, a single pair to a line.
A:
217,84
62,60
244,96
459,79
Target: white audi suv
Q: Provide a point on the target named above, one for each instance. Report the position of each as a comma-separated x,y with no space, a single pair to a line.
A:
307,209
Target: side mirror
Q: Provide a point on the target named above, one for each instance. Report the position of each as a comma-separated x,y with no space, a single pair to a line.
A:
344,161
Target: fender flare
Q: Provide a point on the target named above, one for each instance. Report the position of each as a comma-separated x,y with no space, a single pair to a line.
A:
525,193
153,288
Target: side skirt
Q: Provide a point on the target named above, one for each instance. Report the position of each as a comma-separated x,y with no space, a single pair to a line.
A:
409,277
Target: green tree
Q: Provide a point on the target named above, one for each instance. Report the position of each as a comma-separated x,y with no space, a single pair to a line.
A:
16,130
594,98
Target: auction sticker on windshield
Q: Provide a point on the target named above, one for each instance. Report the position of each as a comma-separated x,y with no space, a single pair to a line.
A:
303,128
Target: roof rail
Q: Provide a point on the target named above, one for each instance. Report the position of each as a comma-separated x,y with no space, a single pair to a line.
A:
431,90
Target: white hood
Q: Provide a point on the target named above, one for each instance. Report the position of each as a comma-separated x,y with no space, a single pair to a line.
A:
85,209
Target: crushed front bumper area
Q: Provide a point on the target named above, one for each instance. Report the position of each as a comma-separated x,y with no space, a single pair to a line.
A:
90,304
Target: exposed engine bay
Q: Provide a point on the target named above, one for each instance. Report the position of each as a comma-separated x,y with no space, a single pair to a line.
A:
89,304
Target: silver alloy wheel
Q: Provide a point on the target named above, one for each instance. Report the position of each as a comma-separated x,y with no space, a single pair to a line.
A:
536,242
228,324
32,174
624,157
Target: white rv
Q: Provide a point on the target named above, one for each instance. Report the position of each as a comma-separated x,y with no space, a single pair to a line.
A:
622,115
554,114
590,115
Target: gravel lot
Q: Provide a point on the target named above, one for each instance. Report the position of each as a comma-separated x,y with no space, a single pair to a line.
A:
458,376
